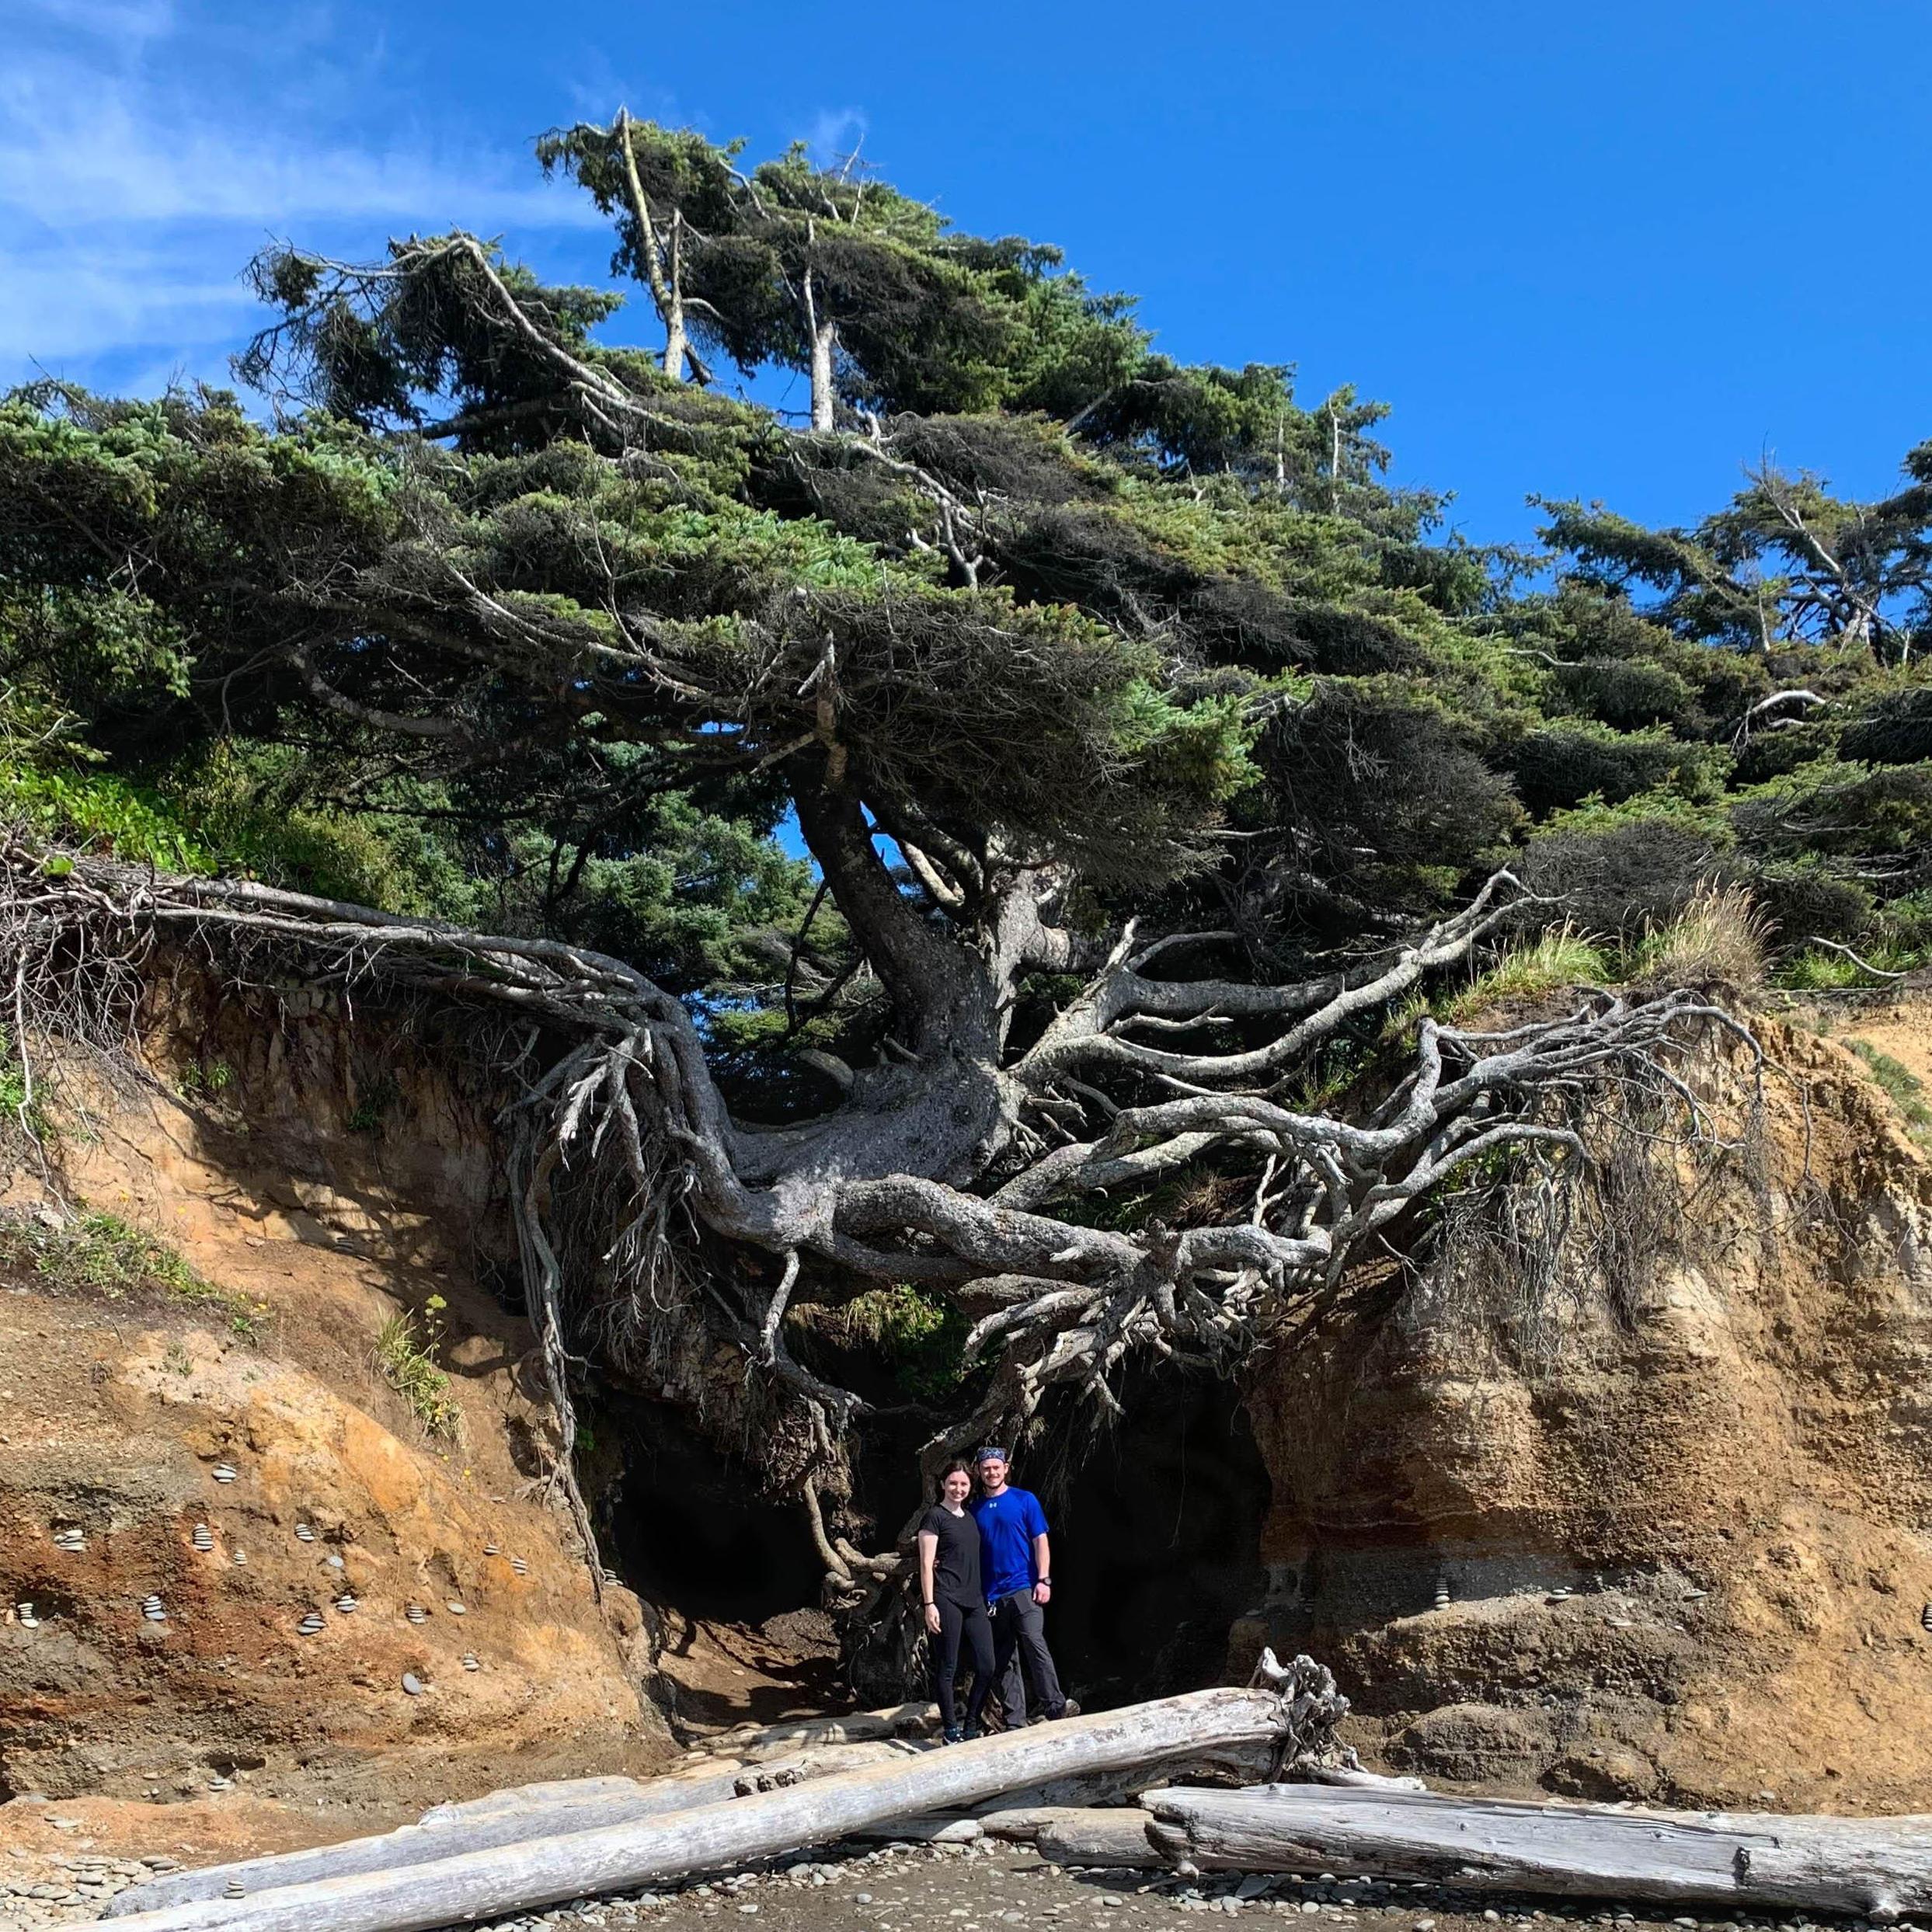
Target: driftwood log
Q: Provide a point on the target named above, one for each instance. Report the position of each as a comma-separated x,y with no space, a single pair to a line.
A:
511,1817
1116,1836
561,1806
508,1879
1877,1867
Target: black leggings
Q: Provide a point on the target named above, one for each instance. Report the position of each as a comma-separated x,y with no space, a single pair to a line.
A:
959,1621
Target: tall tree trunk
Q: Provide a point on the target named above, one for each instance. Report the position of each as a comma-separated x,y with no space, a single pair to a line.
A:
675,348
667,289
822,332
823,335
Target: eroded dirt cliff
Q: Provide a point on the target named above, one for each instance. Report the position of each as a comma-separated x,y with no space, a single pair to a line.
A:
319,1176
1685,1539
1683,1521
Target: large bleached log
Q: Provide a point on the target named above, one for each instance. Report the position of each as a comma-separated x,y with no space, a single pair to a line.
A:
561,1805
508,1817
508,1879
1877,1867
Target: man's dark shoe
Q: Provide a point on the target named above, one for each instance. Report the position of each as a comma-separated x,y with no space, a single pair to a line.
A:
1070,1709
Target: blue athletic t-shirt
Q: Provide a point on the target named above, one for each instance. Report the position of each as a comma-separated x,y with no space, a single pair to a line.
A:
1008,1524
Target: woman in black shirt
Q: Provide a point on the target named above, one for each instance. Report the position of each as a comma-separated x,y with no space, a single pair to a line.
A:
956,1604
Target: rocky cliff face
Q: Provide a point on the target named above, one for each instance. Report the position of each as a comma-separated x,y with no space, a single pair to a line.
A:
326,1175
1684,1549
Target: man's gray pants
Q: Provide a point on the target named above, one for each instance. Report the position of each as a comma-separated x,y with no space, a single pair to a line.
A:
1019,1633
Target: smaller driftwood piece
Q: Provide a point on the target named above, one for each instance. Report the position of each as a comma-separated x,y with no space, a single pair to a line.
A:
1875,1867
549,1810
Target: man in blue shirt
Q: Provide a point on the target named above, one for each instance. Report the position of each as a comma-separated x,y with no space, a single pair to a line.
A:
1016,1564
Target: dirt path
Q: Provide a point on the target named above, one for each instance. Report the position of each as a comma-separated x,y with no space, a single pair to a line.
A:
1902,1032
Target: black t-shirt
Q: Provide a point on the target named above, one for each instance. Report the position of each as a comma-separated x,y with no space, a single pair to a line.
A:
956,1564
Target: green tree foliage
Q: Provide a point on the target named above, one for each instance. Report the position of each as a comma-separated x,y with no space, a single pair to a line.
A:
835,274
1786,560
493,620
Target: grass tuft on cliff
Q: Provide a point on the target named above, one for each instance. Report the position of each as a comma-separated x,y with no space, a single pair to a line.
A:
406,1357
102,1256
1561,956
1720,938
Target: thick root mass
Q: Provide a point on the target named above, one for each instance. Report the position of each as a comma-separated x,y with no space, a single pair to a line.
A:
650,1220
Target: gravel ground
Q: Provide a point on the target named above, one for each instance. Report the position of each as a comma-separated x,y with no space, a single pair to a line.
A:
983,1887
990,1885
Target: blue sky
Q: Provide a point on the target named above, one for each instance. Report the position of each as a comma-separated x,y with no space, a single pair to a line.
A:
1616,252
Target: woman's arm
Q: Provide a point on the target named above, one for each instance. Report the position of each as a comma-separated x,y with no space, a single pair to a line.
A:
928,1550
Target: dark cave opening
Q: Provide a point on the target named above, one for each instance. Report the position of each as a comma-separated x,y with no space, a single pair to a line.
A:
684,1524
1156,1524
1157,1539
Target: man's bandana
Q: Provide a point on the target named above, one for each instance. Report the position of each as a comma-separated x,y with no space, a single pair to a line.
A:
988,1454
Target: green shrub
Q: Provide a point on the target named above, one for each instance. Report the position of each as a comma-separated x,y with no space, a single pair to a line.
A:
1896,730
102,812
922,1337
1624,693
1814,971
216,1077
1564,764
1817,969
16,1106
406,1359
1618,870
373,1100
251,808
1805,899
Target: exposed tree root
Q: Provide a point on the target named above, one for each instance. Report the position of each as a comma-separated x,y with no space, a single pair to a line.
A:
645,1214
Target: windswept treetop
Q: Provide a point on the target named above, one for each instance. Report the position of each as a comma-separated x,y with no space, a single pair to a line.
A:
1151,751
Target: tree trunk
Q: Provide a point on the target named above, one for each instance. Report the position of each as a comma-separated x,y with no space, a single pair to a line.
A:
515,1878
824,335
1877,1867
675,345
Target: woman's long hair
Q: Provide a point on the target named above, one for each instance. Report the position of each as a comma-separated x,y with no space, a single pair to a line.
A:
939,1486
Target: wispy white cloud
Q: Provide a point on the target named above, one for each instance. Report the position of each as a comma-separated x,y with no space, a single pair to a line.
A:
61,306
122,21
141,166
835,133
75,154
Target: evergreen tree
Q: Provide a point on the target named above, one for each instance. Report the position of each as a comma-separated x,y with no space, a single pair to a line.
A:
1150,749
